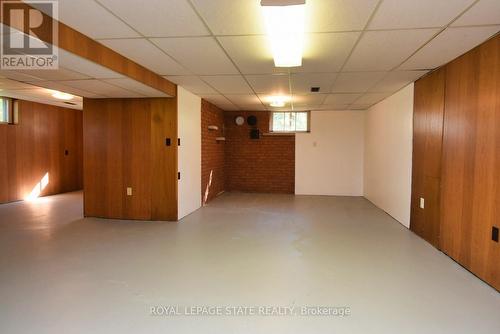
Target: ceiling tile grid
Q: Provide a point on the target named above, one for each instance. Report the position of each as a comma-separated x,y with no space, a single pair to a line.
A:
26,91
450,44
397,14
158,18
356,51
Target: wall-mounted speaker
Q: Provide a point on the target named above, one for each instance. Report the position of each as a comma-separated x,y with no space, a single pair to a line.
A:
252,120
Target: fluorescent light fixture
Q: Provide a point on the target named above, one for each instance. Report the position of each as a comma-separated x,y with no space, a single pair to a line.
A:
285,29
62,96
278,101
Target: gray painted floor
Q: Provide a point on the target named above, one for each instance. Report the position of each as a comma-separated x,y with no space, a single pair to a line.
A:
63,274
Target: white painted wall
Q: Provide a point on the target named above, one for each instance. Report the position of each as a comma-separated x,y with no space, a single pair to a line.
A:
329,160
388,154
189,155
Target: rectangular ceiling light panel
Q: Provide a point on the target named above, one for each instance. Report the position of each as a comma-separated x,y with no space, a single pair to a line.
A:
285,29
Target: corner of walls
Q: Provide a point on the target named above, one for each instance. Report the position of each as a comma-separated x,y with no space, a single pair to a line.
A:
189,151
212,152
29,155
388,154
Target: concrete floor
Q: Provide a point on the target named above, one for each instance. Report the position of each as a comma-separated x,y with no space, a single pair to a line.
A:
63,274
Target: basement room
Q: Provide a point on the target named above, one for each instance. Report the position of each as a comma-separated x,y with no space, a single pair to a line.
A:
250,166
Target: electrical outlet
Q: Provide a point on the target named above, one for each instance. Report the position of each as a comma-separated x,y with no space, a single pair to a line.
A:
129,191
422,203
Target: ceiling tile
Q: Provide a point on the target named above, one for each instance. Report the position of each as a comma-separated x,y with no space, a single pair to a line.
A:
216,99
399,14
146,54
338,15
483,12
341,99
308,100
230,17
253,107
54,75
251,54
101,88
270,83
228,107
371,98
384,50
396,80
84,66
302,82
158,18
326,52
136,86
360,106
332,107
7,84
448,45
91,19
244,100
17,75
193,84
57,85
201,55
228,84
356,82
305,107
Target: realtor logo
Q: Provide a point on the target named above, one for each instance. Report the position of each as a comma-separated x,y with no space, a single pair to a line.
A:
29,35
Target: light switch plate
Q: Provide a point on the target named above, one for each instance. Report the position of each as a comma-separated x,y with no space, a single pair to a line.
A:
129,191
422,203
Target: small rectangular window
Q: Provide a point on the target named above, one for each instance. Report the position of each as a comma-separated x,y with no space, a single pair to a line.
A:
289,121
5,112
9,110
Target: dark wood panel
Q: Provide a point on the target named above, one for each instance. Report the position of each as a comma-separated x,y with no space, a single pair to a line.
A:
136,150
471,161
427,151
35,147
124,146
164,166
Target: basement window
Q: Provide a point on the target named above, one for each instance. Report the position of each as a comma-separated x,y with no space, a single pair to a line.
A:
289,121
9,110
5,110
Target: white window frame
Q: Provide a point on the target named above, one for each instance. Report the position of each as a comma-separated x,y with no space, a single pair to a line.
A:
12,111
271,119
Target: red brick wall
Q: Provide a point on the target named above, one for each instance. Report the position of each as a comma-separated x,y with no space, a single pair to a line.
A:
212,152
265,165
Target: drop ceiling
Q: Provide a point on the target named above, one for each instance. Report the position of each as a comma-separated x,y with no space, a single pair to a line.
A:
24,91
79,77
358,51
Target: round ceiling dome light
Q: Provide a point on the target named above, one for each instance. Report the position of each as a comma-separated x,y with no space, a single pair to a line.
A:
278,101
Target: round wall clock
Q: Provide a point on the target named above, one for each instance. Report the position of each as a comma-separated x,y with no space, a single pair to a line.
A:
239,120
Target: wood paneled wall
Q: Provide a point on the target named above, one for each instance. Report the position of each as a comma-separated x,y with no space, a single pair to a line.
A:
125,146
470,194
462,170
427,146
36,147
